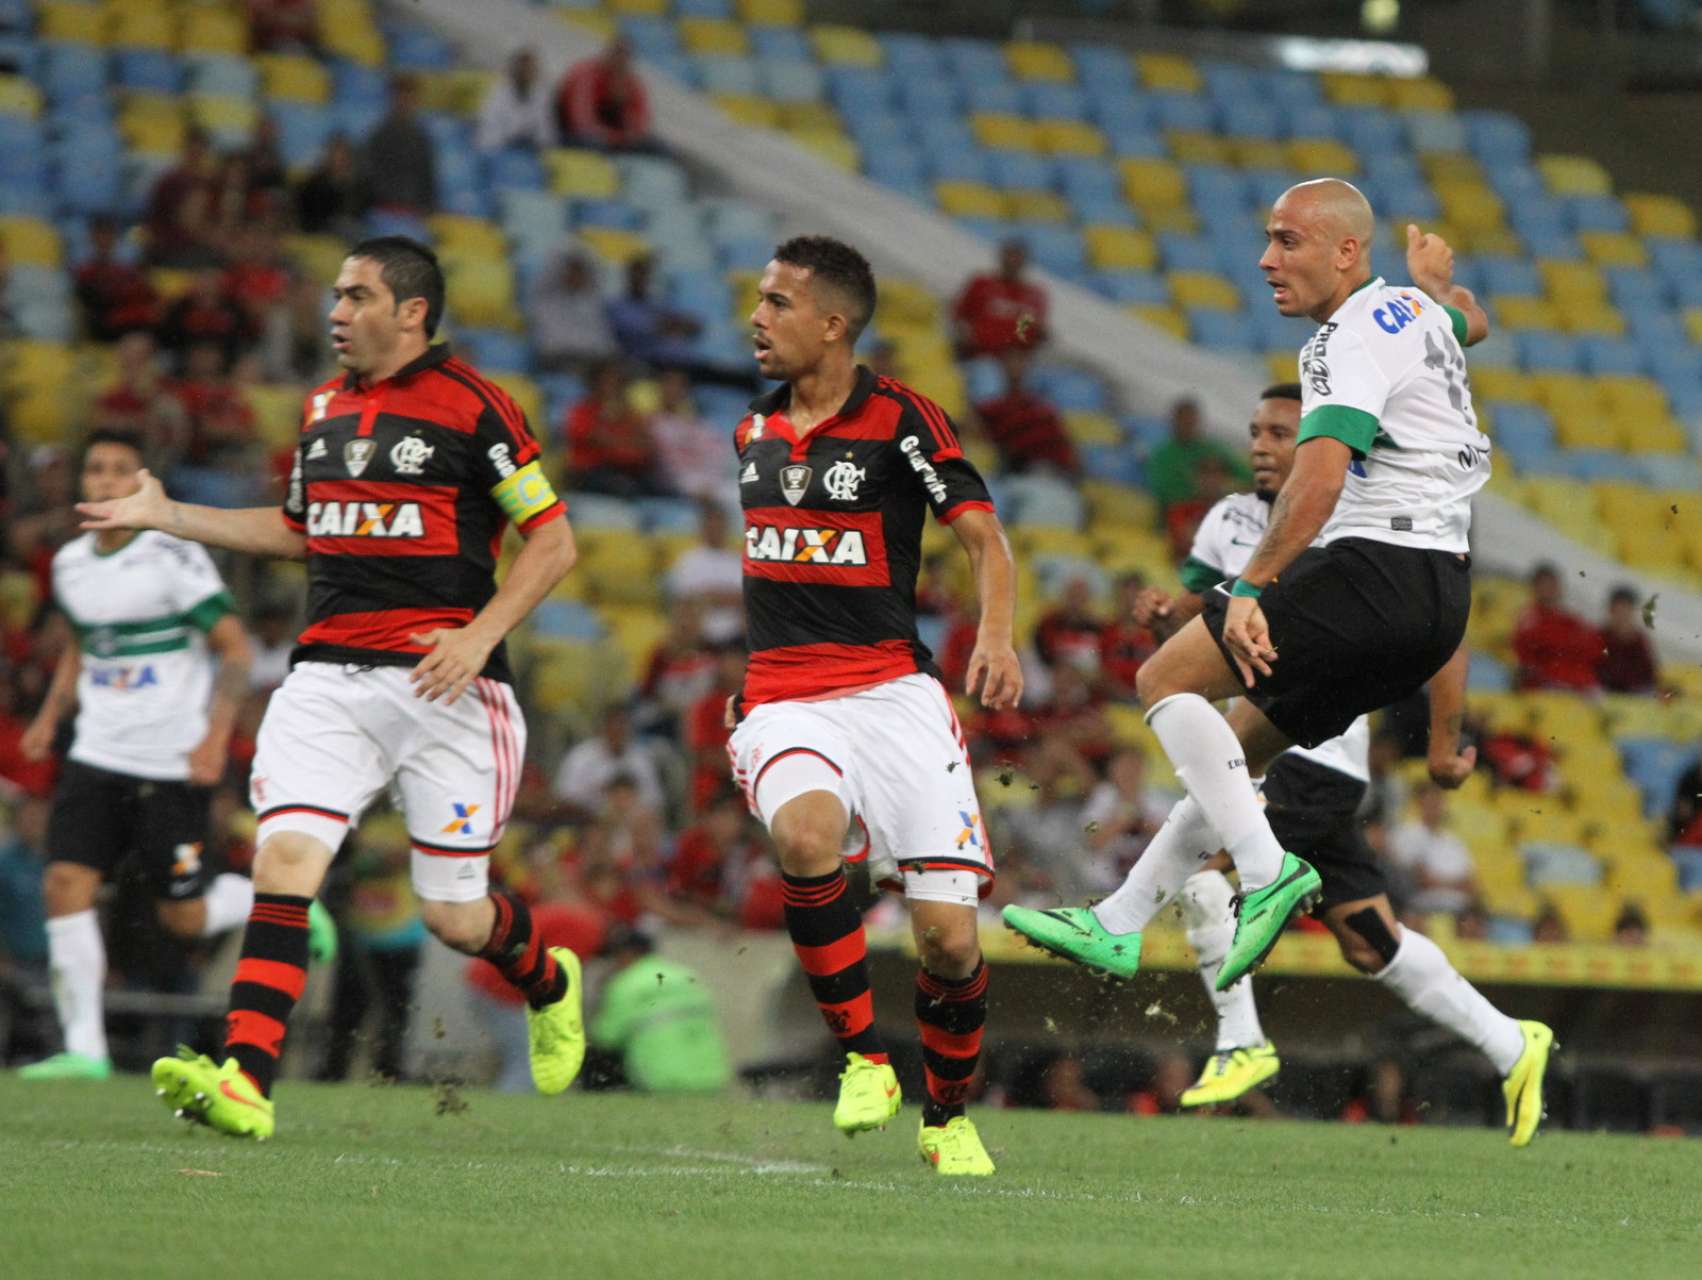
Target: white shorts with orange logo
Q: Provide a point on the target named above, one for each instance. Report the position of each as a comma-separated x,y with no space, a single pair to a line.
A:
895,757
334,736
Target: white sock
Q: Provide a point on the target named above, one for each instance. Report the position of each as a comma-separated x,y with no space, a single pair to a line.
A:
1211,764
1422,977
1182,843
1210,926
76,957
229,899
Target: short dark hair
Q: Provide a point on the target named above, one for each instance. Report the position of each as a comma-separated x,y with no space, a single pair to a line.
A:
1281,391
409,270
1623,594
131,440
839,265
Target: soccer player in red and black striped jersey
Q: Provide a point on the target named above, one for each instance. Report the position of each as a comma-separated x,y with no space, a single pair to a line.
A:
844,728
409,468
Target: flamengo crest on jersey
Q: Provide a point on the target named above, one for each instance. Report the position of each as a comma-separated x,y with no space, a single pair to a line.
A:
1392,353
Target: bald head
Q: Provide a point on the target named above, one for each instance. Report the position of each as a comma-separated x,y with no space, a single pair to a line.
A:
1320,235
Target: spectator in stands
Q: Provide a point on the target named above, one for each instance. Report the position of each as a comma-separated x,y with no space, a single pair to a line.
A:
680,670
517,111
567,317
140,400
1172,1075
1070,631
712,574
1000,310
1121,814
42,519
1436,859
1182,519
257,280
331,199
294,346
221,423
179,228
1123,643
609,448
1173,468
694,454
1382,1097
660,1019
1550,926
1631,928
1024,426
1047,832
205,314
267,176
1627,662
704,729
585,771
274,637
602,103
116,296
399,160
23,918
281,26
713,856
1684,821
647,330
1556,648
23,772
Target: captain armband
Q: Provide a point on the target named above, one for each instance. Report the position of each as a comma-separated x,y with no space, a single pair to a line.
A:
525,495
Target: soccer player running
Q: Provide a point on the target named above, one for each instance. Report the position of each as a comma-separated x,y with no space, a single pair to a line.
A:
1312,800
842,719
1387,460
157,668
408,469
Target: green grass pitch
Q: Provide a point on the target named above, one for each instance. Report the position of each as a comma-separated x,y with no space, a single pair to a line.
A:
98,1180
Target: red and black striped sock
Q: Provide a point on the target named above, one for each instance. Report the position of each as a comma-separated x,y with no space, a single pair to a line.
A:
269,979
520,955
951,1013
827,933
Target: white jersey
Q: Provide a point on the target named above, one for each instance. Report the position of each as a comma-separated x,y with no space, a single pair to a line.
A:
141,614
1387,375
1222,547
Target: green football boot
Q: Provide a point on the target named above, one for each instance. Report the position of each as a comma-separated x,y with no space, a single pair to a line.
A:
1229,1073
68,1066
954,1149
222,1098
557,1031
1264,914
1075,934
1523,1086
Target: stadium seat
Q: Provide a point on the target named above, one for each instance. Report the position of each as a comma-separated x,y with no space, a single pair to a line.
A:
846,46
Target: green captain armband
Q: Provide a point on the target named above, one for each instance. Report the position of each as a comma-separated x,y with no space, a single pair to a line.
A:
1246,590
1458,319
525,495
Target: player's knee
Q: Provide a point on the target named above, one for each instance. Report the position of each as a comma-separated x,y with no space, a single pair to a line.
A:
810,841
461,926
1366,941
1152,682
68,887
292,863
948,952
182,919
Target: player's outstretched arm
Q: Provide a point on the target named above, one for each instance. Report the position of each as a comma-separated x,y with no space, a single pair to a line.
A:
994,671
37,741
459,654
260,531
1430,262
1449,766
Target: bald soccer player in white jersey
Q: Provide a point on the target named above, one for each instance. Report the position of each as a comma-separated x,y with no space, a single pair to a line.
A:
1312,801
1308,637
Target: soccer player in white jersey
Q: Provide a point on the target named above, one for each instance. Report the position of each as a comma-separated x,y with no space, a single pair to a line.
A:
1387,460
151,621
1312,800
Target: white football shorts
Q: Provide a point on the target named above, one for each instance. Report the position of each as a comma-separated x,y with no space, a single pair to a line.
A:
334,736
895,757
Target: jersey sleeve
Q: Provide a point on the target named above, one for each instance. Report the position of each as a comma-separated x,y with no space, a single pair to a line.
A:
295,497
1203,569
928,439
1343,390
197,590
508,465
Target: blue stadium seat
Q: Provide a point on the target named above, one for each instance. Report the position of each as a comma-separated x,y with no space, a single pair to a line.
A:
1488,674
1266,185
897,165
1117,463
616,214
223,75
1188,112
781,44
983,379
1047,100
1057,249
1542,350
1068,388
1542,241
792,81
990,229
1511,278
650,37
993,95
728,73
1636,290
1603,354
1602,464
352,82
566,620
1597,213
1313,120
1292,89
1552,863
1497,138
668,515
495,349
67,71
1251,119
1186,253
1371,131
152,70
1516,183
972,58
418,48
1231,81
678,66
1105,208
1221,330
856,90
1435,131
913,56
1083,176
1135,141
706,9
1114,107
1145,287
356,119
876,129
1655,765
1220,190
1675,257
515,169
1023,171
1098,65
933,101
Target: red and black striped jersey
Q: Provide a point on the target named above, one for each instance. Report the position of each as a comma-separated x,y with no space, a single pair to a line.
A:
404,488
833,536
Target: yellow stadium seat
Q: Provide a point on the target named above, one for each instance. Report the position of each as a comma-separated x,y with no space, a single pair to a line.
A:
1168,73
1573,281
1180,220
1203,289
19,97
1031,60
293,77
639,8
1120,504
969,199
1070,137
1348,90
526,394
1584,426
614,246
810,117
1614,249
846,46
277,413
318,257
171,283
457,232
1693,323
360,44
41,417
831,145
1257,153
1574,175
1631,395
1085,427
712,35
30,241
1494,242
1557,391
74,23
1153,184
1113,248
583,174
1491,383
909,301
1659,215
1470,206
210,30
157,135
1421,94
1592,317
1003,132
29,364
1451,166
1524,313
222,114
140,27
1037,206
753,113
1280,365
771,13
1160,316
1198,148
1322,156
1654,434
482,290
